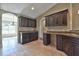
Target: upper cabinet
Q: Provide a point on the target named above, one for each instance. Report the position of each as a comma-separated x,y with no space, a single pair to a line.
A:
26,22
57,19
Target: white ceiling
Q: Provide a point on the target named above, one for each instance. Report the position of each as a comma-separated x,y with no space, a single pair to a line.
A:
25,8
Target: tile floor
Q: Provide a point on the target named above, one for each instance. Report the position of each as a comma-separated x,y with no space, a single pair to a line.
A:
35,48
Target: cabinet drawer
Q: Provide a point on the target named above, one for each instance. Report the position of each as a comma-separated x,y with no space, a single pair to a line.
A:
46,39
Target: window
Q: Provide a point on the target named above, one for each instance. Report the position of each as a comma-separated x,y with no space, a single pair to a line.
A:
9,24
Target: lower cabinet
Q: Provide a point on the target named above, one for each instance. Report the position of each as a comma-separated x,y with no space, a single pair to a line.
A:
76,50
46,39
70,45
25,37
67,46
59,42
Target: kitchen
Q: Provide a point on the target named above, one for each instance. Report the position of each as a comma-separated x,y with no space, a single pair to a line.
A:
57,27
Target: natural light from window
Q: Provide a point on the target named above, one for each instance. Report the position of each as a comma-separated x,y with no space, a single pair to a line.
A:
9,24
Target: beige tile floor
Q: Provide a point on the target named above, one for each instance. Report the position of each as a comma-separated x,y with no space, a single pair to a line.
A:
35,48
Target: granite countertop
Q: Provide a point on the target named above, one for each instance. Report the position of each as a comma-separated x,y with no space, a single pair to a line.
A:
27,31
67,33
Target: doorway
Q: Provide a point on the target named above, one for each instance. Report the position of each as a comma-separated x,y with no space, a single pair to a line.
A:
9,30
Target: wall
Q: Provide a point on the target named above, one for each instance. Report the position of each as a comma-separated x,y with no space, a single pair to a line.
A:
41,28
53,40
56,8
75,16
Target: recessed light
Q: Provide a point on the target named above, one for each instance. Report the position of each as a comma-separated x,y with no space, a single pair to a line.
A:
32,8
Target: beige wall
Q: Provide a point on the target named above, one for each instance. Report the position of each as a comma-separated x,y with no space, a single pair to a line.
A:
53,40
75,16
56,8
73,19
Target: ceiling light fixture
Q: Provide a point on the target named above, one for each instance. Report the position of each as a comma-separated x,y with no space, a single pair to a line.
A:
32,8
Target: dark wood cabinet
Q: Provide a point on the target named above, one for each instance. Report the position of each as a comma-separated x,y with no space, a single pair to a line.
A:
46,39
27,37
27,22
70,45
57,19
47,21
76,50
59,42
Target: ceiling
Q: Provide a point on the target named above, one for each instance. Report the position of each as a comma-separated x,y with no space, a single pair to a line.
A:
25,9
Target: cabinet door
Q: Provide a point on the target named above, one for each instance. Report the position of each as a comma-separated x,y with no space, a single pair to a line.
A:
59,42
50,21
64,19
76,50
20,22
60,19
76,46
28,23
68,46
32,36
24,38
53,20
32,23
35,36
23,22
46,39
56,20
47,21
